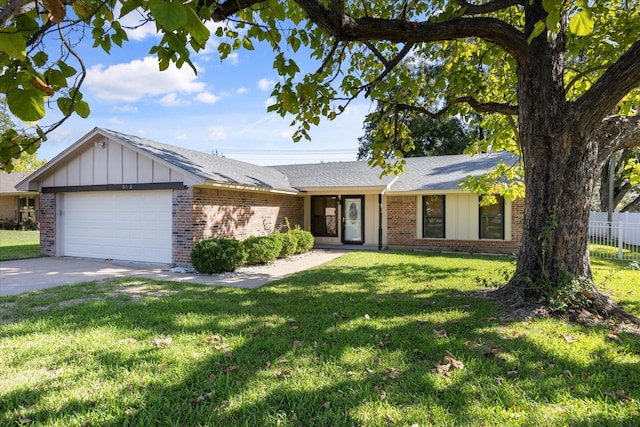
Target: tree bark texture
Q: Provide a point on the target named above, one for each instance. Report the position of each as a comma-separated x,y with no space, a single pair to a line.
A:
559,158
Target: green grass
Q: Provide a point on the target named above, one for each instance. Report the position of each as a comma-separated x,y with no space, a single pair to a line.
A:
19,244
363,340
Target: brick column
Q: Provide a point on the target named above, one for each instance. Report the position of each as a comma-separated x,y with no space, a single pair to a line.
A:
48,215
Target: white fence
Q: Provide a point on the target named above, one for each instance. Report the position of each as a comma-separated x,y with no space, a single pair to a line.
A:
617,239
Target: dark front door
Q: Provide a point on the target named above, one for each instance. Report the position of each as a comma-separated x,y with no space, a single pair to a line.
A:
353,220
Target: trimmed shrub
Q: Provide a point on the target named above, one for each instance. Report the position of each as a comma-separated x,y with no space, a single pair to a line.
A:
289,244
217,255
304,240
262,249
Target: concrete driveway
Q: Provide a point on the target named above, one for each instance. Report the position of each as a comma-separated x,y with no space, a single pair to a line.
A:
39,273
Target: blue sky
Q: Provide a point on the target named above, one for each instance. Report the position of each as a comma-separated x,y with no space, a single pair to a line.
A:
223,108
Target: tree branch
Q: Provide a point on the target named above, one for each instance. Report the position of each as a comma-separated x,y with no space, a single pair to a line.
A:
490,7
9,11
619,79
489,107
222,11
616,133
388,65
400,31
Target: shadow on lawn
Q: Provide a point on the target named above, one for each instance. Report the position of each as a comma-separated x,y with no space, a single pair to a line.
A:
327,325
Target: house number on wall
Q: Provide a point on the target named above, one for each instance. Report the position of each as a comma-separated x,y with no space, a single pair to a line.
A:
127,186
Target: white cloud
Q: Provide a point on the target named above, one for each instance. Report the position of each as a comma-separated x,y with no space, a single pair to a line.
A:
115,121
207,98
270,101
217,133
242,90
136,26
266,84
170,100
127,108
134,80
233,58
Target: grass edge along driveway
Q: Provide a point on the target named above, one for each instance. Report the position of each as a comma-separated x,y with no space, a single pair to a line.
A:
19,244
371,339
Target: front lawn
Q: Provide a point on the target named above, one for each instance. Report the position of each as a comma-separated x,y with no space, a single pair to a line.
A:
19,244
371,339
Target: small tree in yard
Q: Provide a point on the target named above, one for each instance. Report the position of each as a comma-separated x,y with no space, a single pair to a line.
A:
546,74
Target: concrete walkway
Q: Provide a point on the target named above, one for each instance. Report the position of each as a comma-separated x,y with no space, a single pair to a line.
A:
39,273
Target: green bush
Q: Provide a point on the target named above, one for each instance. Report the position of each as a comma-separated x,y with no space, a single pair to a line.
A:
304,240
217,255
289,244
262,249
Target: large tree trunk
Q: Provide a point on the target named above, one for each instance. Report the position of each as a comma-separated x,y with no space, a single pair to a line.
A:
560,163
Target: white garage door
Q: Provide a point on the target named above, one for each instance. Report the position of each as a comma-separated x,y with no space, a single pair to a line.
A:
133,225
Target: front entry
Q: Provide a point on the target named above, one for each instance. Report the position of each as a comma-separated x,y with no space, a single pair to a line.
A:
353,220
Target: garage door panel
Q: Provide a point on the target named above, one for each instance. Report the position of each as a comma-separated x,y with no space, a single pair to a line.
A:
132,225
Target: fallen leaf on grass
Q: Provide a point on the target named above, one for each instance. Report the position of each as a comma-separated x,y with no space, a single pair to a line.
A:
221,346
127,341
370,371
24,420
212,377
613,335
159,342
567,373
326,404
283,373
291,320
620,395
377,361
232,368
213,338
441,334
453,361
569,338
513,372
229,355
367,317
297,344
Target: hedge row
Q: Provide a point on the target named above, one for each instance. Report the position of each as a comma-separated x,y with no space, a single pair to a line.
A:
219,255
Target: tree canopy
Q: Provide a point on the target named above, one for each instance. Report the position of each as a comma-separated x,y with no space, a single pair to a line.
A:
555,80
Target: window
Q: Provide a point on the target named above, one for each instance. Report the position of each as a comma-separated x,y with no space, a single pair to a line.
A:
492,220
27,202
433,217
324,216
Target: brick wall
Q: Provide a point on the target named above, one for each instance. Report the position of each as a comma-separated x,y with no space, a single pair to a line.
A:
201,213
401,226
48,210
182,232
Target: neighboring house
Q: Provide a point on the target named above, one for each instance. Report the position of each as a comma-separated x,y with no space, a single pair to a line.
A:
111,195
16,207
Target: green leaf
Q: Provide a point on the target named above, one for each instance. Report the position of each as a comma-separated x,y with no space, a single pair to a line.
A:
64,104
538,28
67,70
40,58
27,105
169,15
246,43
129,6
199,32
82,109
581,23
55,78
13,44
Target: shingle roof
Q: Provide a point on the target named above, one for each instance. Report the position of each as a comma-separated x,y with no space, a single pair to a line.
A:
445,172
210,167
335,175
8,181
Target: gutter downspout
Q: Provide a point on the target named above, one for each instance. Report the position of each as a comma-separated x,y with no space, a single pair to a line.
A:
380,220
